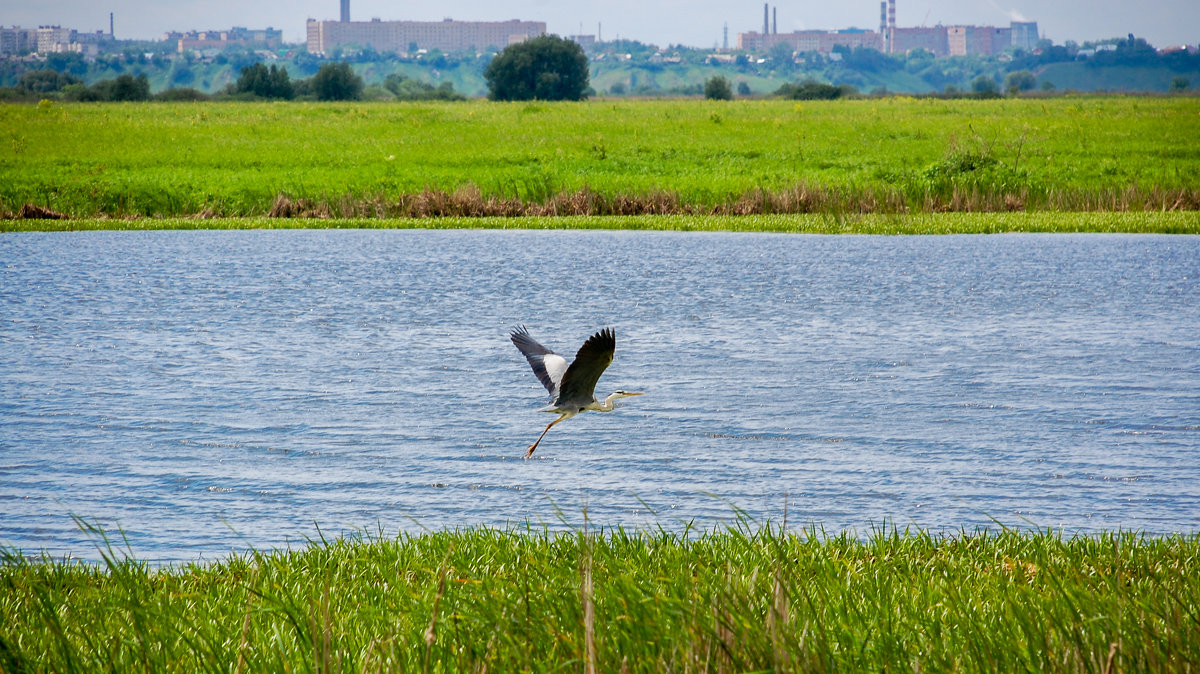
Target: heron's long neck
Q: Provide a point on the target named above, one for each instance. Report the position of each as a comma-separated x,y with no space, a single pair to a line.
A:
607,405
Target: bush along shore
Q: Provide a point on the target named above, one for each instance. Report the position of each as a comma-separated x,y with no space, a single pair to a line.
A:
735,599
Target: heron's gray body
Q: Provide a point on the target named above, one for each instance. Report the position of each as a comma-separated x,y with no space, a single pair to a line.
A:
572,386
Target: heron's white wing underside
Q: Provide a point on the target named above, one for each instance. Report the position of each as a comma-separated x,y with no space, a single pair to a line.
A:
556,367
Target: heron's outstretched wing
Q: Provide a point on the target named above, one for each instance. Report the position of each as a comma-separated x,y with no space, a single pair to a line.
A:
579,382
547,365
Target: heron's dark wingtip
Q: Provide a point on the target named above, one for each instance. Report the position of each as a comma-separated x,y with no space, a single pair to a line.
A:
605,338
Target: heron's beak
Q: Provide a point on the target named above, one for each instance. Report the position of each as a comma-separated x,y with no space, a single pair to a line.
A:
631,394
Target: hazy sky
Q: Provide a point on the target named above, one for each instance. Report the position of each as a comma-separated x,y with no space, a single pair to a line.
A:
694,22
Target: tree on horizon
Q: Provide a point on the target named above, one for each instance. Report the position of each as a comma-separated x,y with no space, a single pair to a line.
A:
546,68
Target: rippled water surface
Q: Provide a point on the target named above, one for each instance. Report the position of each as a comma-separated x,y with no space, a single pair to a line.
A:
209,391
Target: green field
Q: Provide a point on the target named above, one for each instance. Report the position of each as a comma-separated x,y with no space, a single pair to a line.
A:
893,155
739,599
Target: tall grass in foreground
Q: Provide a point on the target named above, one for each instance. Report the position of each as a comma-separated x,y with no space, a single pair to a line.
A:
731,600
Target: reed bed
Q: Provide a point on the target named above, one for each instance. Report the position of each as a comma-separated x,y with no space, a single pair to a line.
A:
736,599
470,202
1144,222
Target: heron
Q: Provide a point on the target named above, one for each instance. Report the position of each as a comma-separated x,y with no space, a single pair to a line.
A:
572,387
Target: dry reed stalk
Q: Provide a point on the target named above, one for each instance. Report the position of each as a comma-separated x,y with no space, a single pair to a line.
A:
431,631
1112,654
286,207
241,661
468,201
589,611
31,211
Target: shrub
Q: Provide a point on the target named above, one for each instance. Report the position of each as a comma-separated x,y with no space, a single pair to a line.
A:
718,89
125,87
38,82
337,82
129,88
264,82
181,94
983,85
810,90
409,89
1020,80
182,76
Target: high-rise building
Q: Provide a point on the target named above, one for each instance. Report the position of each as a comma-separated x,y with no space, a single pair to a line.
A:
400,36
270,38
809,40
17,40
1024,34
982,40
938,40
931,39
50,37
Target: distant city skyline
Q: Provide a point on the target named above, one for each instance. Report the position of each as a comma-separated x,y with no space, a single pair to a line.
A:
1163,23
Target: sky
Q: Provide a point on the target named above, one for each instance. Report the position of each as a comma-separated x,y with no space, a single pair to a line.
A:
694,23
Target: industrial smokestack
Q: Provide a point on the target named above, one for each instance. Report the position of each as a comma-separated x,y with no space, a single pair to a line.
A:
110,24
766,18
883,26
891,26
345,11
775,19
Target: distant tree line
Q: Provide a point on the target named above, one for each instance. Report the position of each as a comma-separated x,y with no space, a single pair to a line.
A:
409,89
551,68
332,82
812,90
38,84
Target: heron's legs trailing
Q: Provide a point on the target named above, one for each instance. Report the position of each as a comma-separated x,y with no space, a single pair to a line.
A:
529,452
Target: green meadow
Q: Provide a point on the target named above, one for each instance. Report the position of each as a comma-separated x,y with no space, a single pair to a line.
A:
733,600
890,155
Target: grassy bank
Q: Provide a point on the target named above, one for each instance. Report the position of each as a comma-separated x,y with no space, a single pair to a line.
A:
733,600
1146,222
602,158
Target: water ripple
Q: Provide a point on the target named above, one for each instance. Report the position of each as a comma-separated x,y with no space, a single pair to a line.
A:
209,391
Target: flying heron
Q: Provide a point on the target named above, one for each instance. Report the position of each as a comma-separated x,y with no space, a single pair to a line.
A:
573,386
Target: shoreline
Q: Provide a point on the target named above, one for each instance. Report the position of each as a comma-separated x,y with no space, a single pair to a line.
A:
1136,222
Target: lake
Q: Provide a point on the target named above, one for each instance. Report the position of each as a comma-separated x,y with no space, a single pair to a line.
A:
213,391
